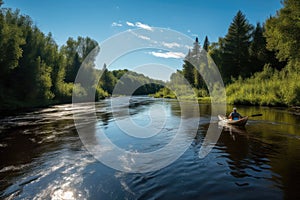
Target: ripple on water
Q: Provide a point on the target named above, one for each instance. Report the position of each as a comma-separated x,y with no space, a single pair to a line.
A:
252,163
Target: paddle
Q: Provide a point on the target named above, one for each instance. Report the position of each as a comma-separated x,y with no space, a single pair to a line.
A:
255,115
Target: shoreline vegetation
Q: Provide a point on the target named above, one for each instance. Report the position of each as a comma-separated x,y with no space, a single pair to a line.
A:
260,65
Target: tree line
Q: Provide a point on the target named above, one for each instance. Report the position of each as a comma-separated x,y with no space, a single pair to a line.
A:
35,71
276,84
259,64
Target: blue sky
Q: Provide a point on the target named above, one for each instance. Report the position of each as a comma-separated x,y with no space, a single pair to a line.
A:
103,19
94,18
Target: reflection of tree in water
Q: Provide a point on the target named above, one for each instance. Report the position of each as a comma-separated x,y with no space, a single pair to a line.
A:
237,147
127,105
184,109
205,109
104,117
139,104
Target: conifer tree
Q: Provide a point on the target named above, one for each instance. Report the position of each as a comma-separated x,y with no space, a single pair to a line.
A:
188,69
236,48
206,44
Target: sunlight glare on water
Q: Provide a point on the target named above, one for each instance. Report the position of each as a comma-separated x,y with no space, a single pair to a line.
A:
63,195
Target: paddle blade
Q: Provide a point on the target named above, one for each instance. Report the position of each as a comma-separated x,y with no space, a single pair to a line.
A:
256,115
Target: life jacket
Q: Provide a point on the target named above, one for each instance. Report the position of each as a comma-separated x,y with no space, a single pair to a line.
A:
235,116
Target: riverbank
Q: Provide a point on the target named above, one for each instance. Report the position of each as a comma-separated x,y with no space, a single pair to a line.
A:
11,110
295,110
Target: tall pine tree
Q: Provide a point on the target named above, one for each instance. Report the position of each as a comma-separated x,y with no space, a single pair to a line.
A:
236,48
257,50
206,44
196,62
188,69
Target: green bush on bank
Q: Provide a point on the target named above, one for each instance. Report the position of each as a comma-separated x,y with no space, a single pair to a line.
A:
269,87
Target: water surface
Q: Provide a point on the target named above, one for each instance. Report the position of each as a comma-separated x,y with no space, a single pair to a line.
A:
42,156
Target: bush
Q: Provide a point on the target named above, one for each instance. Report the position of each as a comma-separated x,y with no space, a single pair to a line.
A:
269,87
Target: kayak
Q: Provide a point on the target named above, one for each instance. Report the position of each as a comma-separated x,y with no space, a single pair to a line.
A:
240,122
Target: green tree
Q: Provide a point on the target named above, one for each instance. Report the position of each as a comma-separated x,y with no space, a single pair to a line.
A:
196,60
215,51
11,41
75,52
283,36
188,69
257,50
177,78
283,31
236,48
259,54
43,82
206,44
73,63
107,80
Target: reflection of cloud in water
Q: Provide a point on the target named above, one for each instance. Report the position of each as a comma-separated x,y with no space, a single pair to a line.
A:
121,176
63,194
65,185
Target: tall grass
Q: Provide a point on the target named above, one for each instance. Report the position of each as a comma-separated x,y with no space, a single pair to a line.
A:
269,87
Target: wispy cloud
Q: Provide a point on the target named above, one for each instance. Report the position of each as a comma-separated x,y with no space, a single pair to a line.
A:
139,25
143,37
143,26
130,24
116,24
188,47
169,54
170,45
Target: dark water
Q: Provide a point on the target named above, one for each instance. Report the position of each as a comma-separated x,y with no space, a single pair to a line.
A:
42,156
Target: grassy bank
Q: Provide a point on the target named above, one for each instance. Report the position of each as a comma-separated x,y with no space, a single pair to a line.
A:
269,88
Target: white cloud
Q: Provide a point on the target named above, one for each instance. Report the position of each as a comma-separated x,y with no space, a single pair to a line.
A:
168,54
116,24
139,25
170,45
143,26
130,24
139,36
143,37
188,47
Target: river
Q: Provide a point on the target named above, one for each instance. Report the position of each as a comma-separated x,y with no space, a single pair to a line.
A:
43,157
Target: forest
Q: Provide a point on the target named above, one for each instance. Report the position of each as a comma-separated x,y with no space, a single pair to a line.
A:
260,64
36,72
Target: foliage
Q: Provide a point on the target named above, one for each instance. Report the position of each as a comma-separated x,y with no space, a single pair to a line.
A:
235,54
188,69
283,31
206,44
272,86
269,87
260,65
131,83
35,72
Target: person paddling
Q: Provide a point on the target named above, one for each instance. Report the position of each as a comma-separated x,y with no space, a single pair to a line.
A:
234,115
